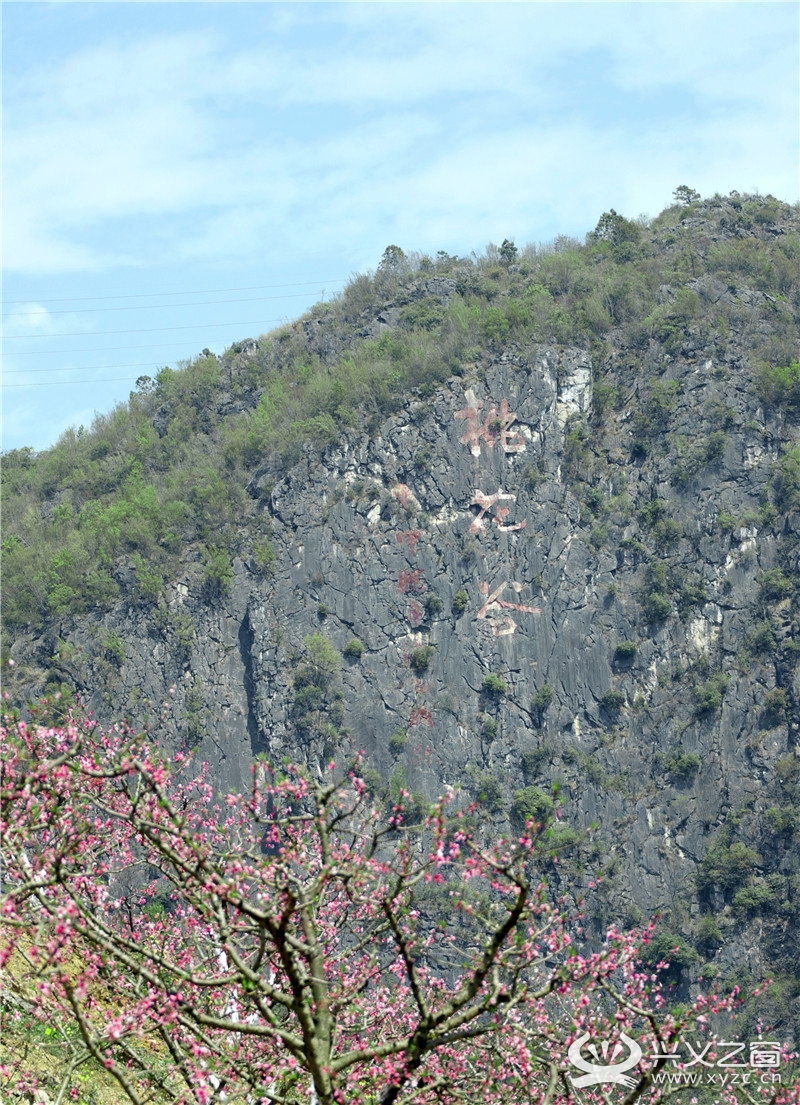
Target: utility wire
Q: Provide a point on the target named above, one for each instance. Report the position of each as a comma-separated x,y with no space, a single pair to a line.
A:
79,368
153,306
110,348
70,383
199,291
141,330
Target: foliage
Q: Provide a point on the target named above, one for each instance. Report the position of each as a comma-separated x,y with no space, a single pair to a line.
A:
317,707
727,865
708,695
494,685
685,196
218,573
460,602
354,649
612,700
775,585
669,952
625,650
752,899
264,558
682,766
786,479
531,804
420,658
283,946
780,386
776,705
433,603
169,472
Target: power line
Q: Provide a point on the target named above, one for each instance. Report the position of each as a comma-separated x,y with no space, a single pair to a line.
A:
79,368
153,306
200,291
141,330
107,348
70,383
117,348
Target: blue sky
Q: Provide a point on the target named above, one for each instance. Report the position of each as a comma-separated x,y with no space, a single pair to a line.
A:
180,175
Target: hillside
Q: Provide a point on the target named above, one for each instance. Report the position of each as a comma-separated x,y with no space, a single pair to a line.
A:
515,521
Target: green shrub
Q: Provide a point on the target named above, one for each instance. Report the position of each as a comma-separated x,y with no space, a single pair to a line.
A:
540,702
532,804
671,949
786,479
666,532
708,695
433,604
776,705
752,900
322,664
775,585
264,557
682,766
114,647
543,697
354,649
657,607
783,820
420,658
460,602
716,443
149,579
218,573
761,637
488,789
534,759
398,741
489,727
561,837
780,387
690,595
612,700
625,650
727,865
709,935
494,685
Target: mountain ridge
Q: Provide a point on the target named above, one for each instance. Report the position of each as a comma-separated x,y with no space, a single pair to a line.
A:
524,521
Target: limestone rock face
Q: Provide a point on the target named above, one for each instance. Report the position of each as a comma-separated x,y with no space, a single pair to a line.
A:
552,586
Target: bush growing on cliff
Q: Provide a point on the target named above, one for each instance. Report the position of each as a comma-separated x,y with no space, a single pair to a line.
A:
420,659
533,804
708,695
494,685
354,649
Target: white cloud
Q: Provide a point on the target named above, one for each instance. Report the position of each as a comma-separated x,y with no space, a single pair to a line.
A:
28,318
332,123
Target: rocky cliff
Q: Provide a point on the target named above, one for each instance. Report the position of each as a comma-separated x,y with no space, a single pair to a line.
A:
566,563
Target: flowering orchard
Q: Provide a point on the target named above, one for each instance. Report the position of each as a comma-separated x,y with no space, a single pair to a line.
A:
298,944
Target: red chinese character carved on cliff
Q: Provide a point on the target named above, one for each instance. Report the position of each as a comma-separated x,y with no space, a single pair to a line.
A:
414,614
495,428
495,603
501,512
410,579
421,716
409,537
